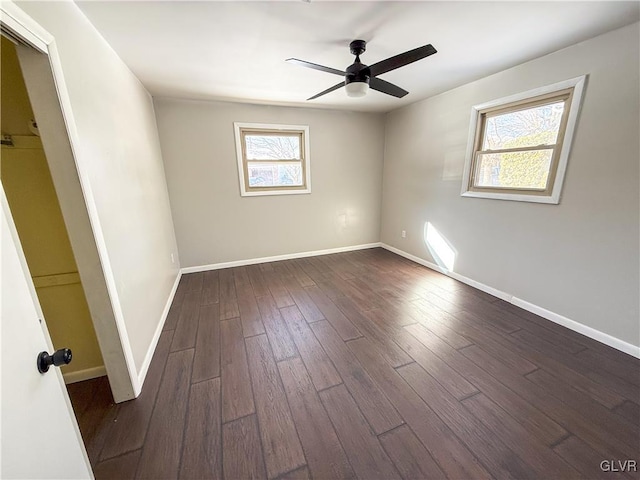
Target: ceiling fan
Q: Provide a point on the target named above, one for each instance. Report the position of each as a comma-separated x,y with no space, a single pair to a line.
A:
358,77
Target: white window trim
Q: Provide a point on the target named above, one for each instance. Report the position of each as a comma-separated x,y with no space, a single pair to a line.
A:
577,84
270,126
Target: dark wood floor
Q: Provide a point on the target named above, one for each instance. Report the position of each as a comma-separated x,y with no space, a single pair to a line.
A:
364,365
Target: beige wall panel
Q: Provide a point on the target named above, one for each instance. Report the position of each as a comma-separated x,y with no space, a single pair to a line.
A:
16,109
35,208
69,323
43,235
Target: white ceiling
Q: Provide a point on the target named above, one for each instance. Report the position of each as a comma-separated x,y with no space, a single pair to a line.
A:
236,50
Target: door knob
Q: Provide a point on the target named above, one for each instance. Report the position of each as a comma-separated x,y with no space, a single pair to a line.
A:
59,357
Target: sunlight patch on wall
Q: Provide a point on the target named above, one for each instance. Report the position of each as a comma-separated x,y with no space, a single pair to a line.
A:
346,220
441,250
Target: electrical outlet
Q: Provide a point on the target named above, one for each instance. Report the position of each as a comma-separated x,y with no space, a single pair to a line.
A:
403,234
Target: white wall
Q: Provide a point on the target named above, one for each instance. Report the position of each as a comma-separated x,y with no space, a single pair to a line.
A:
119,152
214,224
578,259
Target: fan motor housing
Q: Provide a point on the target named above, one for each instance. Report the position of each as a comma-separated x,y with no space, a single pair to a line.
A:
358,47
358,72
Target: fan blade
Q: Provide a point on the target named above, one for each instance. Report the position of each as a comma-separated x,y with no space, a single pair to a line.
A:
401,60
315,66
386,87
328,90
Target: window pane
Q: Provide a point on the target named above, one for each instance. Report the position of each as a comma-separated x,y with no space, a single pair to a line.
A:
528,169
272,147
523,128
287,175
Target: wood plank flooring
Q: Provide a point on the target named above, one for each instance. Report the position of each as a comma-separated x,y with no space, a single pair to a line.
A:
362,365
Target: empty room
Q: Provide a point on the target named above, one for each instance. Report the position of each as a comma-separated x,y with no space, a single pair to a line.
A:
320,240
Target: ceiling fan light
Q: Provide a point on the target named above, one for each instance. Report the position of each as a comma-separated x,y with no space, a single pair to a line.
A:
357,89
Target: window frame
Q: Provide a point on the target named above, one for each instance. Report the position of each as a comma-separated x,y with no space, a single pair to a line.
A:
571,90
241,129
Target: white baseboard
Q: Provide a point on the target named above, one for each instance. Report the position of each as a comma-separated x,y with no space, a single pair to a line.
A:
142,374
592,333
86,374
480,286
275,258
579,327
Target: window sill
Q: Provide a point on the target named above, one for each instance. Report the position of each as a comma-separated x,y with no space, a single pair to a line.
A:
517,197
275,192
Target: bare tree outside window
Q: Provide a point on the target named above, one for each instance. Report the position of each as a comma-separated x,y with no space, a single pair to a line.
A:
273,160
272,147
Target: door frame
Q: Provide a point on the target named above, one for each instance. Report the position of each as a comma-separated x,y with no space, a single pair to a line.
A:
42,70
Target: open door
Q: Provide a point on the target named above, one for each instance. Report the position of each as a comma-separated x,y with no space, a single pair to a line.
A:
40,436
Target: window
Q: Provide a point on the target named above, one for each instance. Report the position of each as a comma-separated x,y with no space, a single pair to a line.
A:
519,146
272,159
